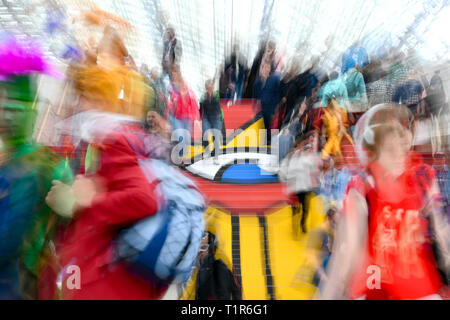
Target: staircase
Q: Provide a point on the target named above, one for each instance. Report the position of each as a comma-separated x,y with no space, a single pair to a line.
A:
350,158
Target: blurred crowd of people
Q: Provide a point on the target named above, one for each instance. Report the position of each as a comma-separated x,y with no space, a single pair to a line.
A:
62,206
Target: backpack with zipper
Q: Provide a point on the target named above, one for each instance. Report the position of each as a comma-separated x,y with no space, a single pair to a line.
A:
163,248
214,280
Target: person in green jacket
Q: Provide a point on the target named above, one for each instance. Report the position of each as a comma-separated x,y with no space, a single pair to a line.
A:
28,170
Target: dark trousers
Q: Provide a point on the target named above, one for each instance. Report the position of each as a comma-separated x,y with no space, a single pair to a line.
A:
267,113
304,211
211,124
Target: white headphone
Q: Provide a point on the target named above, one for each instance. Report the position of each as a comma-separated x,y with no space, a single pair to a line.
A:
369,135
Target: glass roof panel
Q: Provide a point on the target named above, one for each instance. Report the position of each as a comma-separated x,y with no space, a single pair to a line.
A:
208,29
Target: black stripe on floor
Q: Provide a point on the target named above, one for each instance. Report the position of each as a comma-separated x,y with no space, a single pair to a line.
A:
236,247
268,273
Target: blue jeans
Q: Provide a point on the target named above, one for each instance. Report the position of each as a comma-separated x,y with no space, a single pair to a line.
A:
238,88
229,94
181,124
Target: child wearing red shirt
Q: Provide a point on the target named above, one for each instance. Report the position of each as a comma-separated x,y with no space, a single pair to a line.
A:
383,249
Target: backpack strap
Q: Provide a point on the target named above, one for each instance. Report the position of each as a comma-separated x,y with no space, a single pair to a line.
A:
424,179
439,243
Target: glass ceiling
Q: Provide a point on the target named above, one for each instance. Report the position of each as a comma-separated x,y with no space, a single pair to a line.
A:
208,29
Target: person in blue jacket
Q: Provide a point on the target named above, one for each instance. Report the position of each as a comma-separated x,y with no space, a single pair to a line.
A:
354,56
267,91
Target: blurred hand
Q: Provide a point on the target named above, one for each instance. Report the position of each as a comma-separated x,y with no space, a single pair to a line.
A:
61,199
302,108
85,189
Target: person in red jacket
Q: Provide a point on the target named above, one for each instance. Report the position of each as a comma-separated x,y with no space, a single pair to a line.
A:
112,194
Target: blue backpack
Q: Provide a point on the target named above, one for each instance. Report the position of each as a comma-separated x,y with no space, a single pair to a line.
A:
163,247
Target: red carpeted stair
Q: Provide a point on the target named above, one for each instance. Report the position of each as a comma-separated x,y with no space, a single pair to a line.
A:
349,156
239,113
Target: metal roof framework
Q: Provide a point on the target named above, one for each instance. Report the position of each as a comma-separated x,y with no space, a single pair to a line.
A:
208,29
